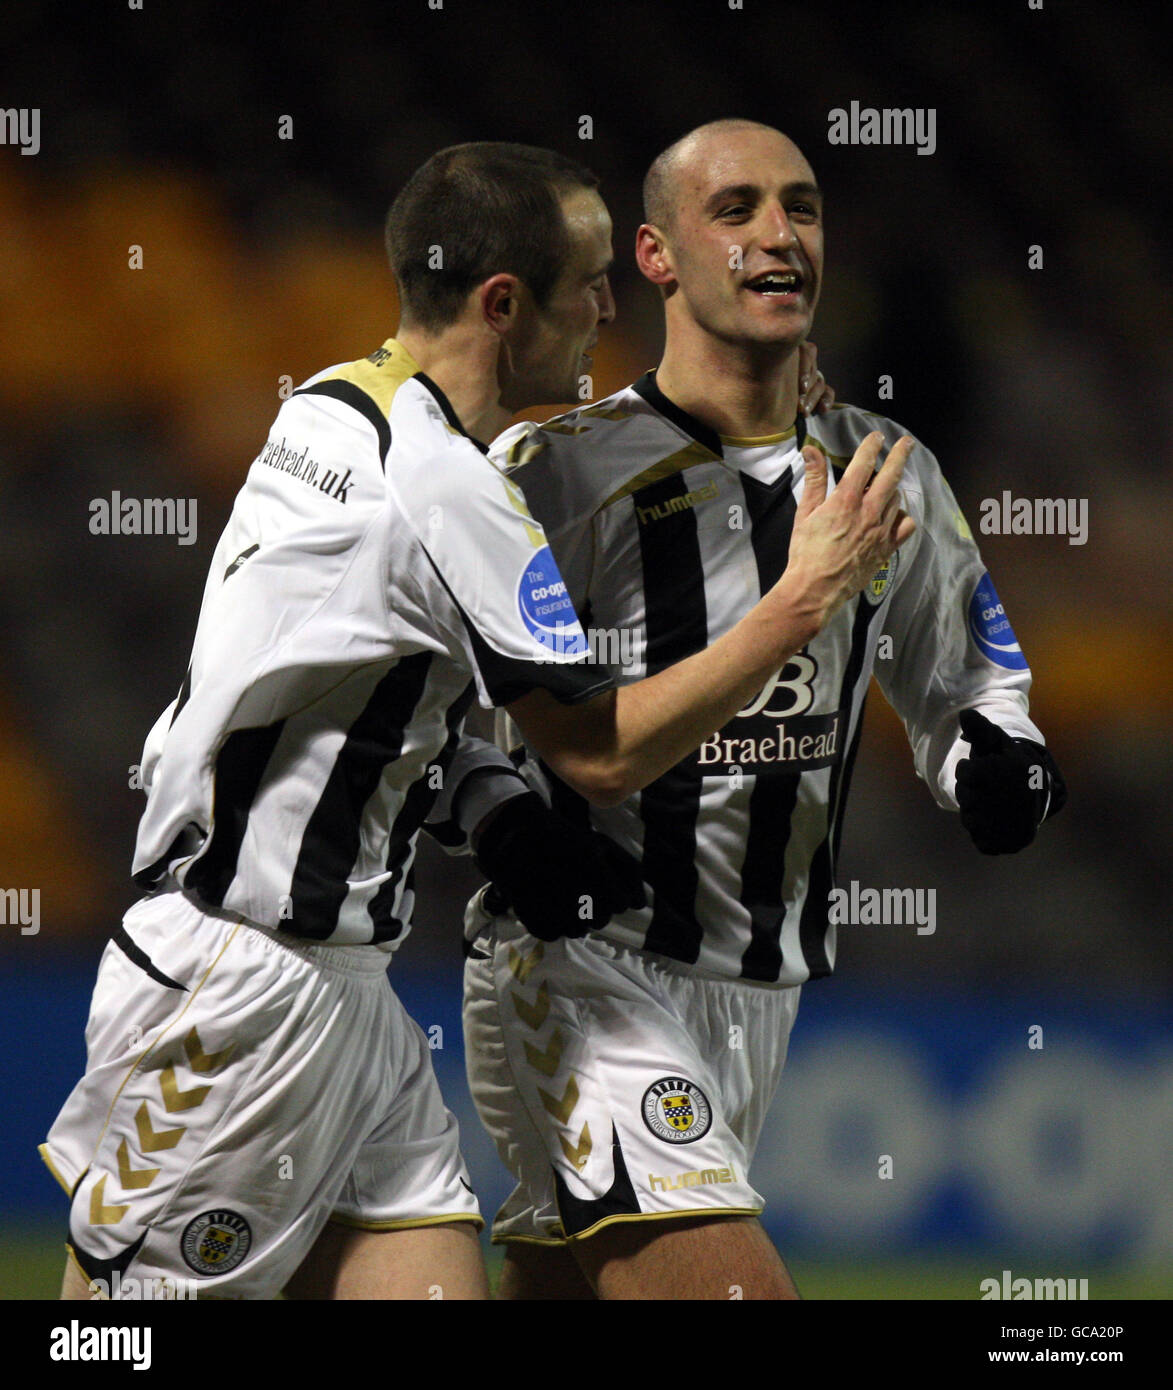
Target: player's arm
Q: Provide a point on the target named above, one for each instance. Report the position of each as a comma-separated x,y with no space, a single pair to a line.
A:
613,745
561,879
480,779
952,669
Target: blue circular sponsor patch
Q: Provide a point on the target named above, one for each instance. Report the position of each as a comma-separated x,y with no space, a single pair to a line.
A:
990,627
545,606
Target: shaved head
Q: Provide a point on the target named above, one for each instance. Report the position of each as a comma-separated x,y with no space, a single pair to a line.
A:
733,237
661,185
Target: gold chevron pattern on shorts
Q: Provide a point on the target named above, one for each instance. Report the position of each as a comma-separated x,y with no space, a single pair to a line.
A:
202,1061
564,1108
174,1099
532,1015
151,1140
546,1062
580,1152
100,1214
522,966
129,1177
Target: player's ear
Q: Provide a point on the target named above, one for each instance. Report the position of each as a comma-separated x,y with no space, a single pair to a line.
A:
499,301
652,254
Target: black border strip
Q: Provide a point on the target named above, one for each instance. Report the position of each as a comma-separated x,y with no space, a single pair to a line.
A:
446,406
355,397
123,940
647,388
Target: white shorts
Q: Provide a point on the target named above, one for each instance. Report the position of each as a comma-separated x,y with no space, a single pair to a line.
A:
241,1089
617,1085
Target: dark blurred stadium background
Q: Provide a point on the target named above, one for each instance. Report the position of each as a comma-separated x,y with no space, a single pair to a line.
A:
262,259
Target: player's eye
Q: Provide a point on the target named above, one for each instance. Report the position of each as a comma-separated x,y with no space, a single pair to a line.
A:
734,210
804,210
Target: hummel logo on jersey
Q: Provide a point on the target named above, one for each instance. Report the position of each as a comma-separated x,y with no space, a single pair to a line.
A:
676,504
280,456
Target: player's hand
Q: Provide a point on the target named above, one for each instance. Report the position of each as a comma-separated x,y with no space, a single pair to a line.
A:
560,880
1006,788
839,542
815,397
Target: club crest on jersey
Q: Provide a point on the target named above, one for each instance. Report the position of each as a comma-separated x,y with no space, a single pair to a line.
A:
546,609
216,1241
880,582
676,1111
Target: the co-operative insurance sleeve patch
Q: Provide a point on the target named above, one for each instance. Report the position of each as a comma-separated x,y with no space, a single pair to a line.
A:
990,627
518,627
545,606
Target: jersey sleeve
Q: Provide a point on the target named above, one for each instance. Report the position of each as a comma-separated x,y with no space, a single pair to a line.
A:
950,645
487,559
293,600
479,778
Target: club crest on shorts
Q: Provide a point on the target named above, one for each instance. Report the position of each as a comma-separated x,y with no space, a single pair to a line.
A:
676,1111
216,1241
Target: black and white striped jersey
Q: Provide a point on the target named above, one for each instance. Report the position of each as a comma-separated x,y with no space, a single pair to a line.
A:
377,570
667,535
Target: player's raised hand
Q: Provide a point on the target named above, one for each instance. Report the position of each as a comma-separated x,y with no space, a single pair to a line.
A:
839,542
1006,788
815,395
559,879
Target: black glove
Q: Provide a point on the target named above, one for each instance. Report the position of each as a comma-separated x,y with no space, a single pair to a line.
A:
1006,788
542,866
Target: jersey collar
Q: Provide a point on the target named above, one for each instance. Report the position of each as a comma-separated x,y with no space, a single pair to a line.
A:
449,414
694,428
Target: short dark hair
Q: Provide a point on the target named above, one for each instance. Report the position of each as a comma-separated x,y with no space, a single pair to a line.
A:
491,207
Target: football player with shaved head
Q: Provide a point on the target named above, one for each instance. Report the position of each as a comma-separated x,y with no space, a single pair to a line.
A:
623,1063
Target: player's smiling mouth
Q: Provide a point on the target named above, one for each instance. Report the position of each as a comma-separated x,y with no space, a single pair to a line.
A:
776,284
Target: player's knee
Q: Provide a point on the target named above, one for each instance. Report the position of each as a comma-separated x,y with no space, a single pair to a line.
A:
694,1257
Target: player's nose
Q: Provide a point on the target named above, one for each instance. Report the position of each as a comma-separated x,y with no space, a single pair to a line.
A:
606,302
776,228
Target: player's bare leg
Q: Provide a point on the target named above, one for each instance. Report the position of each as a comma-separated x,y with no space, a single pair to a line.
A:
426,1262
710,1257
542,1271
74,1285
